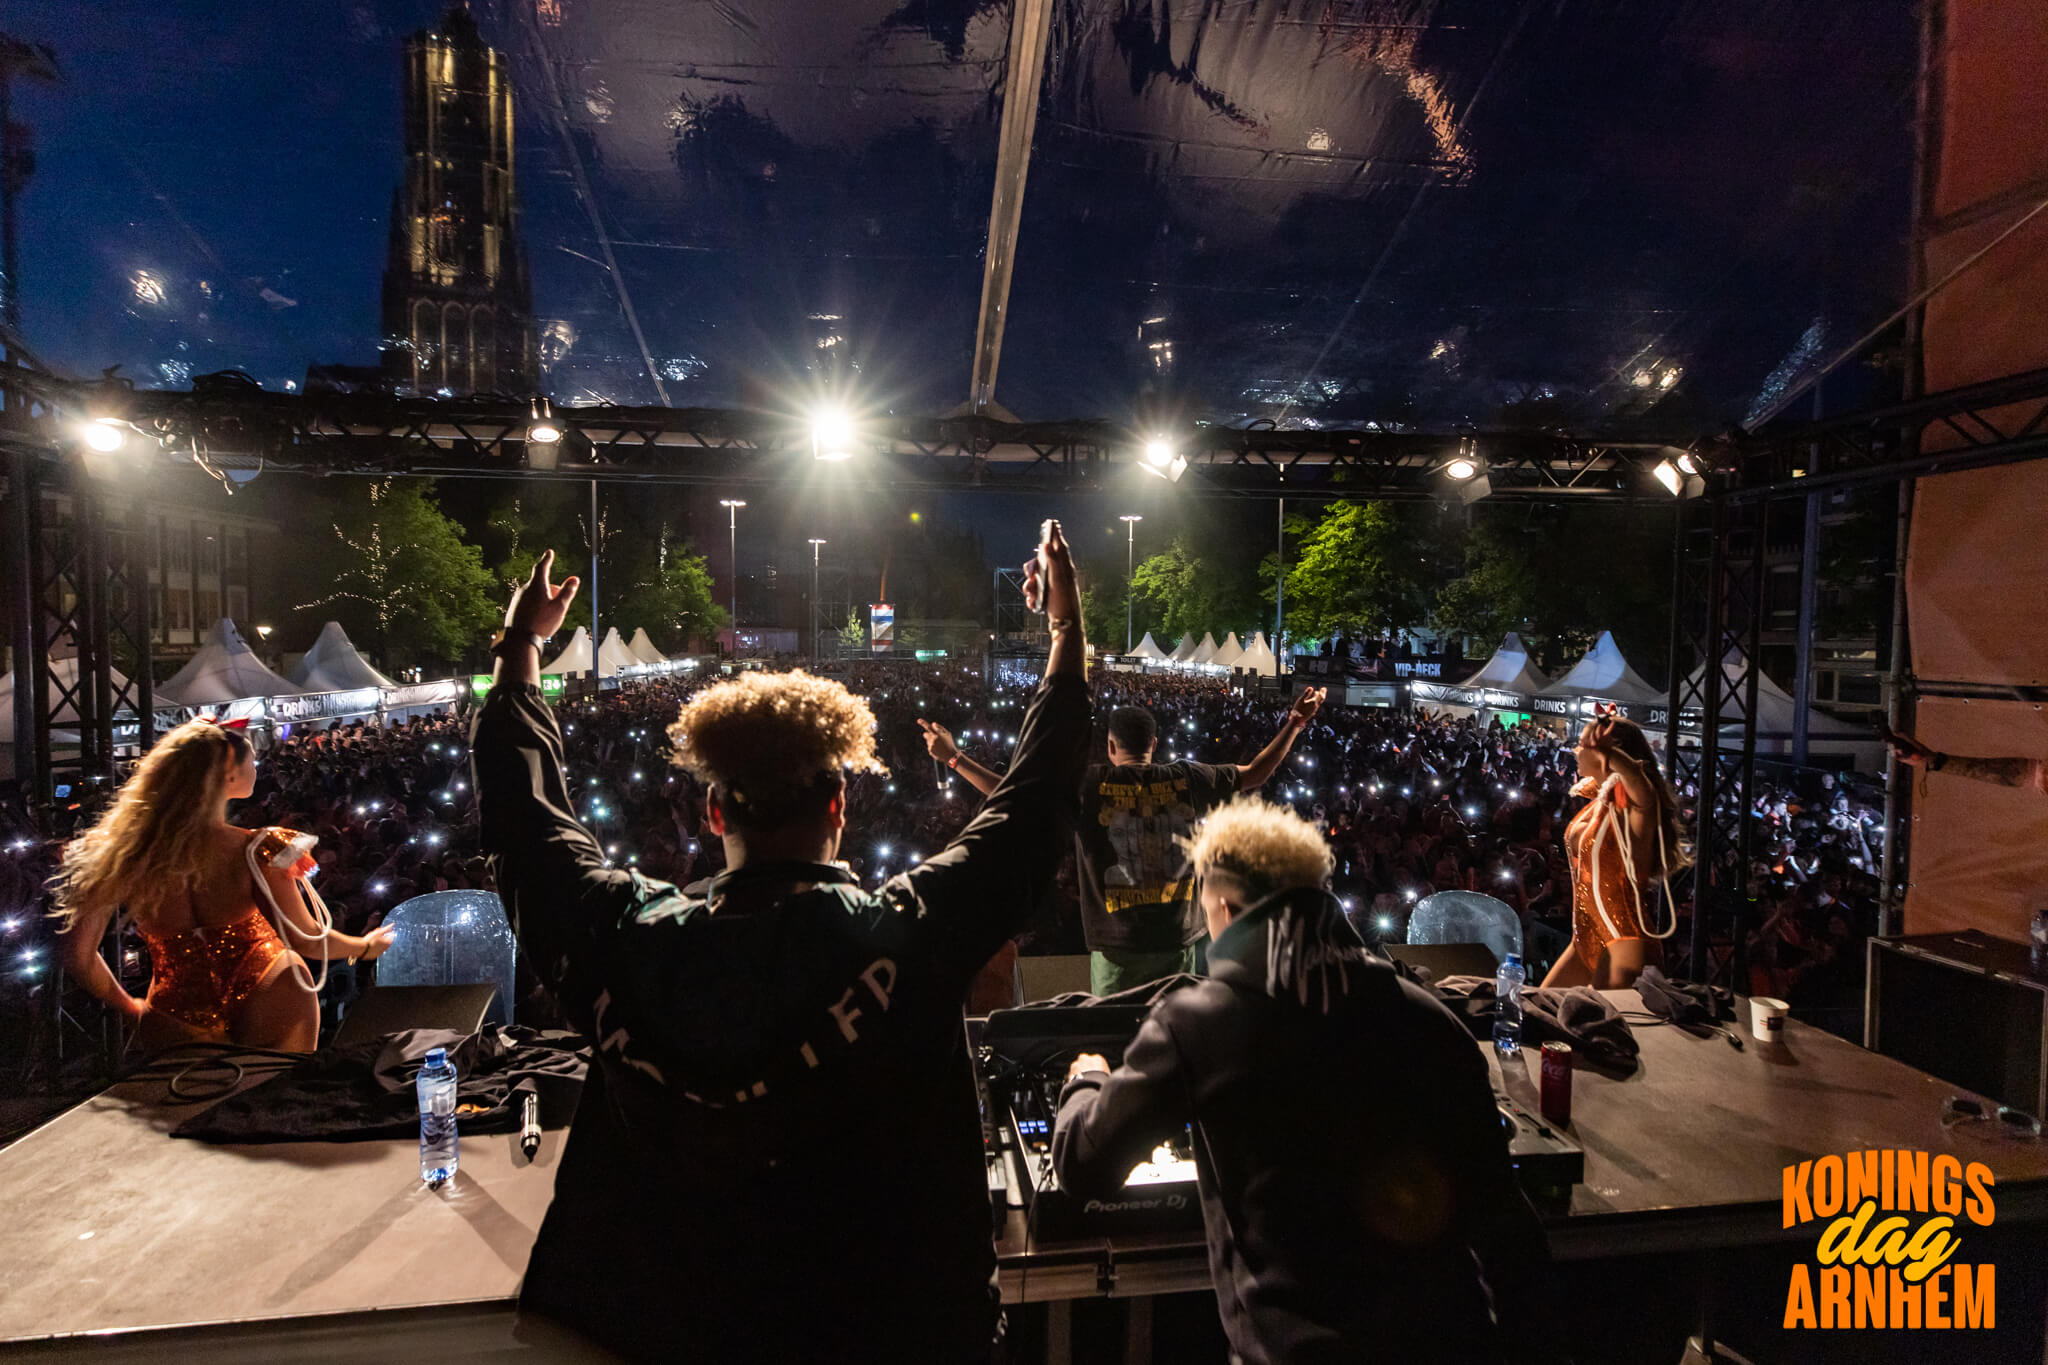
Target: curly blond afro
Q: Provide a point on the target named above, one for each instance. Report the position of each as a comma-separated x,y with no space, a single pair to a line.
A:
770,738
1263,844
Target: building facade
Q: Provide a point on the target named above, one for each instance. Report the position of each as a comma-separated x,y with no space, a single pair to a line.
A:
458,306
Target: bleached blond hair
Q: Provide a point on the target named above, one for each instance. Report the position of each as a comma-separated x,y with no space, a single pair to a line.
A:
769,742
1265,846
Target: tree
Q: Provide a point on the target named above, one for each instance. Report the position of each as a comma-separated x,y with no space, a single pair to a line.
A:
416,590
853,636
1363,570
671,596
1495,594
548,517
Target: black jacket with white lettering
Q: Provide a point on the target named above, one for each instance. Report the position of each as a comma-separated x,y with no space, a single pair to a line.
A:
1353,1169
777,1155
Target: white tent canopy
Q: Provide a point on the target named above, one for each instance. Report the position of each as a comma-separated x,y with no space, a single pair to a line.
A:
643,648
1509,670
612,655
575,656
225,669
1258,658
1605,675
63,679
1228,653
1206,650
334,664
1184,652
1148,649
1775,709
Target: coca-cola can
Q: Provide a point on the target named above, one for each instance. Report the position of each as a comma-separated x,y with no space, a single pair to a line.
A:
1554,1095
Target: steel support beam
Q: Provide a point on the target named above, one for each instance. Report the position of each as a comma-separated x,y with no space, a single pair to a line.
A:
1030,21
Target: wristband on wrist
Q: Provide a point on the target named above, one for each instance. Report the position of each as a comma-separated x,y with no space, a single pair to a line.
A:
518,639
953,762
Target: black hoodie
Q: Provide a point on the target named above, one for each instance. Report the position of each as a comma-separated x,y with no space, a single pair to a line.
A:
1354,1173
777,1155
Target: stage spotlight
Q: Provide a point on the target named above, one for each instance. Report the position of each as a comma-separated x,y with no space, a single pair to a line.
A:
1461,468
1158,453
831,435
104,434
543,430
1687,464
1668,475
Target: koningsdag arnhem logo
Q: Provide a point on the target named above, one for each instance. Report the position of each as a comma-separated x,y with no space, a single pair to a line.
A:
1887,1256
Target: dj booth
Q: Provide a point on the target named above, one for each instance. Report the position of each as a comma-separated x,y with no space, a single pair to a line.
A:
127,1243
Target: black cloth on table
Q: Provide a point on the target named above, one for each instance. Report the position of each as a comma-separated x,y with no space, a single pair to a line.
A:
364,1092
1578,1015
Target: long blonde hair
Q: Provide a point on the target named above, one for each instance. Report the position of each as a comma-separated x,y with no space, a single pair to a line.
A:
152,842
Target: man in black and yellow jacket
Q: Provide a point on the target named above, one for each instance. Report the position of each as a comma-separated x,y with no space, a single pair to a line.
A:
777,1155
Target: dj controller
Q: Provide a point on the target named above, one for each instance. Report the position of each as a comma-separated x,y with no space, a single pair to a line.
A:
1021,1058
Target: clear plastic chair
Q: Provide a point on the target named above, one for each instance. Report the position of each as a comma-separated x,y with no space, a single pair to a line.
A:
1467,917
452,938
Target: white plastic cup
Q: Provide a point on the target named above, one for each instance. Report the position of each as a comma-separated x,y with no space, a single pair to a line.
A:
1767,1018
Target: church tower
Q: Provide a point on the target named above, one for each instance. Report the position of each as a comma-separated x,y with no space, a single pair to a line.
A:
458,307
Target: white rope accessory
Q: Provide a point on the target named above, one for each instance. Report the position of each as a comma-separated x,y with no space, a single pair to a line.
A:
323,918
1609,820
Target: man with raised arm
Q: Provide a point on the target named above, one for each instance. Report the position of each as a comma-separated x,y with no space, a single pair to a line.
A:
777,1155
1136,815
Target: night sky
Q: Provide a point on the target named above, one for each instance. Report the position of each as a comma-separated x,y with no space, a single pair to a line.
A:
1613,216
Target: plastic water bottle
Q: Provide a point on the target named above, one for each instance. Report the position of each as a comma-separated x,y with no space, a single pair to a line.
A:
1507,1019
437,1117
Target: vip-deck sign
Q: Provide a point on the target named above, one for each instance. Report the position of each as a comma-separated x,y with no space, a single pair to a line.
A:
881,627
1887,1254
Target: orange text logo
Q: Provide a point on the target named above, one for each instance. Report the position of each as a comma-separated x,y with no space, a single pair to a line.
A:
1887,1251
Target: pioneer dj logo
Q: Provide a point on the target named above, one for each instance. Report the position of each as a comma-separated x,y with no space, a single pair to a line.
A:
1887,1254
1169,1201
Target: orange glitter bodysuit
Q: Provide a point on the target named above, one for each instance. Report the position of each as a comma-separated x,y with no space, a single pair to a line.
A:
202,976
1607,906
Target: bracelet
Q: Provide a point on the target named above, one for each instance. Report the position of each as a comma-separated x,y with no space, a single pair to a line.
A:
1056,624
519,639
953,762
1937,762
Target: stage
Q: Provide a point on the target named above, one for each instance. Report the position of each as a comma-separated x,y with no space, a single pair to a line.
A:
114,1228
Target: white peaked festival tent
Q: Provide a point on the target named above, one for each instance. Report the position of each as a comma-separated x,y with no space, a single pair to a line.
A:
1148,649
613,655
575,656
1228,653
63,680
1258,658
1604,675
225,669
1509,670
1206,650
1184,652
643,648
1775,717
334,664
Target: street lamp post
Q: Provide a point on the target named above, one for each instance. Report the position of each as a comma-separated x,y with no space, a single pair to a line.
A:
1130,521
732,508
815,642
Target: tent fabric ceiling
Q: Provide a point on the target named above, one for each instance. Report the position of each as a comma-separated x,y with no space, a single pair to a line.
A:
1628,218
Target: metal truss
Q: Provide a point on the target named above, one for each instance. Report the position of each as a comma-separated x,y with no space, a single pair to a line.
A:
1717,617
2001,421
229,425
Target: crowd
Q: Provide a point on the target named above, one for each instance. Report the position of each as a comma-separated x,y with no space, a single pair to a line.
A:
1411,804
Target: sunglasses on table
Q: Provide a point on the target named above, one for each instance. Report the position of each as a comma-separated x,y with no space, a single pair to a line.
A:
1957,1110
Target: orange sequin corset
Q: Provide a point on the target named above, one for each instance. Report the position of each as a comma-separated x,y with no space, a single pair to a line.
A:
202,977
1606,906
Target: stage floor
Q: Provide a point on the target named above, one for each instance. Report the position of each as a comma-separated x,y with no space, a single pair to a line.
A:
112,1225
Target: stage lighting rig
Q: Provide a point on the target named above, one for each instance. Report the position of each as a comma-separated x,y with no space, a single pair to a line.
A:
832,435
1162,459
1464,474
